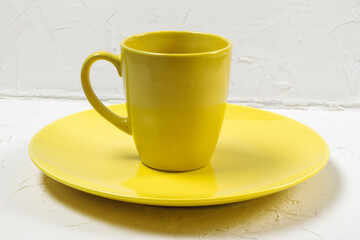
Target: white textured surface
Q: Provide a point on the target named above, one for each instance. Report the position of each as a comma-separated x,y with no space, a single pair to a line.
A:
286,53
33,206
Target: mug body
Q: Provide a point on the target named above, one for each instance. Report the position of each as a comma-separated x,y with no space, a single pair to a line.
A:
176,87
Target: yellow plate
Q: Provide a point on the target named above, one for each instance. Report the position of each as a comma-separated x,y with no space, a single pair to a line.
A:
258,153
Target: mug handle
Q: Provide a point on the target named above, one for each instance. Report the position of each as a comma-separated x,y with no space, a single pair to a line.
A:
120,122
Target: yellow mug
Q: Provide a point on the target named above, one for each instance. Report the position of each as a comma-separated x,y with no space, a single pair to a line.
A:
176,85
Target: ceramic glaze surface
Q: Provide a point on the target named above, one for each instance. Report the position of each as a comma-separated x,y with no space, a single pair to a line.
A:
258,153
176,91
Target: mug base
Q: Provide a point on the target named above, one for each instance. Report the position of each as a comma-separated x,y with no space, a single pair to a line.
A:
174,170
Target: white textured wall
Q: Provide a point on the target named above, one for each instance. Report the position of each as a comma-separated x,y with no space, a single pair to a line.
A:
285,52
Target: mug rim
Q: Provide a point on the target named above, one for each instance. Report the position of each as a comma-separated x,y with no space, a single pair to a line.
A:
217,51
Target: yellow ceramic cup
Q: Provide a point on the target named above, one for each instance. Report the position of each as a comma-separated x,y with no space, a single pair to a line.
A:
176,86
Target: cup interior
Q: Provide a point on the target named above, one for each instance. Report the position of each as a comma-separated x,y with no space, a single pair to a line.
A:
173,42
